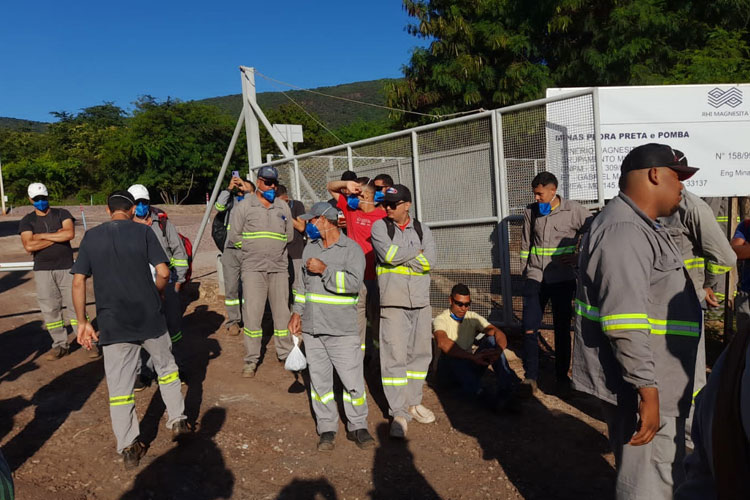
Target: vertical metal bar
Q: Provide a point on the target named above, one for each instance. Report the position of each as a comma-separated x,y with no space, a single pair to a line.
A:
2,189
297,192
506,283
598,149
731,277
330,163
415,175
349,159
252,129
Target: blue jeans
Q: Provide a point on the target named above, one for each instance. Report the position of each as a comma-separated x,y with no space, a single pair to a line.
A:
467,375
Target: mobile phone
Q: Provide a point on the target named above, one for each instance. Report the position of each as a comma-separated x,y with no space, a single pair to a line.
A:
235,173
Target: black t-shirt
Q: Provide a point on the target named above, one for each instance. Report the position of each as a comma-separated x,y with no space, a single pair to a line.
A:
297,245
118,254
58,255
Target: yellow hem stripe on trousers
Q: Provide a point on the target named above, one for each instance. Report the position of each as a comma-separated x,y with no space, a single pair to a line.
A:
340,282
416,375
325,398
355,401
281,333
168,379
391,253
254,235
253,334
407,271
122,400
394,381
231,302
362,346
55,324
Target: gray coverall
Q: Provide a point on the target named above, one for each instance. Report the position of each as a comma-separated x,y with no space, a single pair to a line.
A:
263,234
720,206
231,265
327,304
638,324
403,271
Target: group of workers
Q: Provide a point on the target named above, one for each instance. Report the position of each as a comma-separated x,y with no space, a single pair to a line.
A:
638,275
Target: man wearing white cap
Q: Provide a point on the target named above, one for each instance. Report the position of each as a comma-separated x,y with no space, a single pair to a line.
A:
46,233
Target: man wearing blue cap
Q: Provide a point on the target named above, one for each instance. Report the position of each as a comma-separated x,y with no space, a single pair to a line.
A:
263,228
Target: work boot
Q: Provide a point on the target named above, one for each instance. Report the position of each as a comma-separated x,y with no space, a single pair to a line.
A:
233,329
132,455
57,352
180,428
527,388
249,370
399,427
326,442
362,438
141,383
421,414
95,352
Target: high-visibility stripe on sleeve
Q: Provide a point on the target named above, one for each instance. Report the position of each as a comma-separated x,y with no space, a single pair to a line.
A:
355,401
281,333
168,379
391,253
122,400
725,218
340,282
238,244
524,254
176,337
253,334
696,263
715,268
423,260
220,207
178,262
325,398
299,298
73,322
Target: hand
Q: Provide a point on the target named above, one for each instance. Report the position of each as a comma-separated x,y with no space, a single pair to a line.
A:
315,266
341,222
482,358
569,259
86,335
295,325
353,187
648,411
177,287
711,299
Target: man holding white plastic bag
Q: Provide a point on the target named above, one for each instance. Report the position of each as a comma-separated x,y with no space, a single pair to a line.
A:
325,313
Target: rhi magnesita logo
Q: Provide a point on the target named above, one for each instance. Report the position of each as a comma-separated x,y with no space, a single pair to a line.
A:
732,97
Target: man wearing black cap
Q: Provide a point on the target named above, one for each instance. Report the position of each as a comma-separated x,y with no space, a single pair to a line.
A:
263,227
638,324
405,252
129,314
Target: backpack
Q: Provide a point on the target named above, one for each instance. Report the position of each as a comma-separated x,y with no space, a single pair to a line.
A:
219,226
162,219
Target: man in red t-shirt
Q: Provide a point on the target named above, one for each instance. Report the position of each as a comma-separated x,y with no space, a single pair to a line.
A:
361,213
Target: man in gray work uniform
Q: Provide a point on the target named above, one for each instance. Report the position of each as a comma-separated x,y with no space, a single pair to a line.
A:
405,251
638,325
325,310
263,225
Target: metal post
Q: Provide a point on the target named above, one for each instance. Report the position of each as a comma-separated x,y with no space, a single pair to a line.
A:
349,159
217,185
2,189
252,129
598,149
730,278
503,210
415,175
297,190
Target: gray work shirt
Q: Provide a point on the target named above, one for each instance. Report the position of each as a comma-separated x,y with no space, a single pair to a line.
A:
638,319
170,241
262,232
706,251
403,264
555,236
327,302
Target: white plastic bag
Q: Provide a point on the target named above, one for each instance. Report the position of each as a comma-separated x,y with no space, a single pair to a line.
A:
296,360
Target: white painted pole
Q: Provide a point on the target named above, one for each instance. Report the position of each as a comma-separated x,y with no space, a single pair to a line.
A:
252,128
2,188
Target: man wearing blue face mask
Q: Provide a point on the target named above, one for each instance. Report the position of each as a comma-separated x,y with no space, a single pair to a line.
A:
46,233
263,226
549,244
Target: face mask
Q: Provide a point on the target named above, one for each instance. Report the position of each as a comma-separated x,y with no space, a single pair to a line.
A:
456,318
353,202
41,205
379,196
269,195
141,210
544,208
240,198
312,231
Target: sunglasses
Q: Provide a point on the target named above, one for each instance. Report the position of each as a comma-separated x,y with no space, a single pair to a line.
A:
268,182
462,304
392,204
40,197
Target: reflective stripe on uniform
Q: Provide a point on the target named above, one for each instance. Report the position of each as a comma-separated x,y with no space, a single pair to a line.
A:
638,321
220,207
335,300
253,334
425,263
362,346
407,271
298,297
696,263
238,244
73,322
340,282
122,400
231,302
177,336
325,398
394,381
549,251
281,333
178,262
254,235
168,379
725,218
55,324
416,375
355,401
715,268
391,253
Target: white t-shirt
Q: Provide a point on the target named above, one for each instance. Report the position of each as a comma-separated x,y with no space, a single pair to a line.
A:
462,333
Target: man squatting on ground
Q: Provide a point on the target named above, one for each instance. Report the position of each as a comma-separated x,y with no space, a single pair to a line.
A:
46,234
263,227
455,330
549,245
129,314
325,314
405,252
638,325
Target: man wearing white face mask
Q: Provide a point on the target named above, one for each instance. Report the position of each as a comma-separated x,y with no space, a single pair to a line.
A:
263,227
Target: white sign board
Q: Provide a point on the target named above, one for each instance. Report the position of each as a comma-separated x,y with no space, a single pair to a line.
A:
710,124
286,130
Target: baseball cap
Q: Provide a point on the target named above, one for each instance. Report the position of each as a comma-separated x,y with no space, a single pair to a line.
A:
139,192
37,189
397,193
269,173
657,155
321,209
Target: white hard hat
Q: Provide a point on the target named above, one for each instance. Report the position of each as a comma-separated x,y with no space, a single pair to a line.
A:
37,189
139,192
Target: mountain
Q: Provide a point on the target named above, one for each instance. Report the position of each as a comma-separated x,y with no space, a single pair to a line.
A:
333,112
27,125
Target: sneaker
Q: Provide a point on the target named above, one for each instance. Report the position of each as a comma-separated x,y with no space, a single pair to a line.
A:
421,414
95,352
362,438
57,353
399,427
233,329
527,388
326,442
132,455
180,428
141,383
249,370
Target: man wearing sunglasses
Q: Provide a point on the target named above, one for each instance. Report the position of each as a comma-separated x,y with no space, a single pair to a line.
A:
263,226
455,330
46,233
405,252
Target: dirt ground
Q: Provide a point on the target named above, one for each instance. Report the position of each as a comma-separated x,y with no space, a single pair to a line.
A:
256,438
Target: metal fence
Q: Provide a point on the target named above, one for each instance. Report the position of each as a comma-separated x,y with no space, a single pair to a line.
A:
471,179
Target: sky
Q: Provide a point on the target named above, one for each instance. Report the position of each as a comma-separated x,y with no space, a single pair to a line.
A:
65,56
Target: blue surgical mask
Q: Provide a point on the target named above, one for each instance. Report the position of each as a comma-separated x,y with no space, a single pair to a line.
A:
41,205
379,196
456,318
544,208
269,195
312,231
353,202
141,209
240,198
